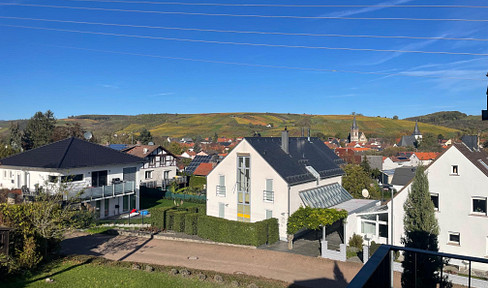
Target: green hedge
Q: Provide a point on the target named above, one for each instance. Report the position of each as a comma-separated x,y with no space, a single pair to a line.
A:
197,182
179,221
227,231
273,230
191,222
158,216
170,219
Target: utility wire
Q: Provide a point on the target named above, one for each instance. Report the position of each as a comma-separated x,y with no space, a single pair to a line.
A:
248,32
406,74
284,5
241,15
244,43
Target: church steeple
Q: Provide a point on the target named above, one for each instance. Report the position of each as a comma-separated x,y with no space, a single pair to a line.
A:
354,125
416,132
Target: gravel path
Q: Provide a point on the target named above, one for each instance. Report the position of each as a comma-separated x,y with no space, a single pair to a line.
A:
292,268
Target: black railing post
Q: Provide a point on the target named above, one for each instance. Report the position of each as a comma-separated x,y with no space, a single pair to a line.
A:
442,270
415,265
469,277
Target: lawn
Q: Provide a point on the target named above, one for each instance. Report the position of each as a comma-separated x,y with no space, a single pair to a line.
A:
86,271
147,203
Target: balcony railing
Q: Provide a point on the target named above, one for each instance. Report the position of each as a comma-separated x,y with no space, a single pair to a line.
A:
220,190
108,191
378,271
268,196
163,183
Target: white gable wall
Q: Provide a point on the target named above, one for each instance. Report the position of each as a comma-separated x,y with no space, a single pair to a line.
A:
455,204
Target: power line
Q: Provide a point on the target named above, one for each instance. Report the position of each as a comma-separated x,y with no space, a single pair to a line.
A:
406,74
242,15
283,5
248,32
245,43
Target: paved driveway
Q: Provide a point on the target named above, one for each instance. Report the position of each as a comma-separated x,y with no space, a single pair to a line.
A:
291,268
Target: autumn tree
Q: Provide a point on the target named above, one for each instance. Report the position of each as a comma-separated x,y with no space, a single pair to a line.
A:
356,179
71,129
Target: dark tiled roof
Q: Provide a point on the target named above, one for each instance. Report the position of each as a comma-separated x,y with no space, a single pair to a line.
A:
471,141
416,130
407,141
478,157
302,153
403,175
69,153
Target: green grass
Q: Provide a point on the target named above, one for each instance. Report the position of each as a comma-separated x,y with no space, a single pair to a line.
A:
98,230
147,203
87,271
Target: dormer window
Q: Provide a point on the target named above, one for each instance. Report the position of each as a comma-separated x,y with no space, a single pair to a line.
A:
454,170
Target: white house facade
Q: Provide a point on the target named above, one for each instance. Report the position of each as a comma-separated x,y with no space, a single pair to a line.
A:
458,181
102,177
264,177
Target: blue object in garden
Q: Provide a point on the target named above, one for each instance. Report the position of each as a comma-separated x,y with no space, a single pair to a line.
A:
144,212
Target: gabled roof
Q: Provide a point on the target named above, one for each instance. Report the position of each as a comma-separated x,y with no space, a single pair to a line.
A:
471,141
302,153
139,150
407,141
403,175
427,155
203,169
478,157
196,162
69,153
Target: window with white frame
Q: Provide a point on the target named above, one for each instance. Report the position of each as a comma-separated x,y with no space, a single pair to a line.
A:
478,205
268,192
148,174
375,224
454,238
454,170
269,214
221,186
221,210
435,200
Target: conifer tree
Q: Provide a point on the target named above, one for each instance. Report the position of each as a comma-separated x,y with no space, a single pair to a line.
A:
421,232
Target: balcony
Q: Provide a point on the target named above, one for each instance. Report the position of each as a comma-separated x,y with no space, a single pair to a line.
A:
220,190
102,192
378,271
163,183
268,196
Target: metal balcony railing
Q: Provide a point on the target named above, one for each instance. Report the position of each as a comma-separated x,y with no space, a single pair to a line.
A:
107,191
220,190
163,183
268,196
378,271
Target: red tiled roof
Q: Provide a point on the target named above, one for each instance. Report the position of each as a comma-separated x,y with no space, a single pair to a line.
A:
203,169
427,155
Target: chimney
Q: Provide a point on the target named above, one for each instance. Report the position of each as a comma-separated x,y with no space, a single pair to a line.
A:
285,141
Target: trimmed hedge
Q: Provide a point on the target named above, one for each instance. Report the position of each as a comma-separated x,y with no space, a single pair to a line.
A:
191,223
158,216
273,230
227,231
179,221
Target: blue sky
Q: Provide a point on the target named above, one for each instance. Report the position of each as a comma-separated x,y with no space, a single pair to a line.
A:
154,71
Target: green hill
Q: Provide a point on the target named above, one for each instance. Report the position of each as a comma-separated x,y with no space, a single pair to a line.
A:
454,119
243,124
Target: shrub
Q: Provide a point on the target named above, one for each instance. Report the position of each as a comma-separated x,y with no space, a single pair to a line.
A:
158,216
179,221
373,247
191,223
273,230
197,182
356,241
169,219
227,231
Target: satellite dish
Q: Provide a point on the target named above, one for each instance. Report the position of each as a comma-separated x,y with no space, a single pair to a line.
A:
150,143
365,193
88,135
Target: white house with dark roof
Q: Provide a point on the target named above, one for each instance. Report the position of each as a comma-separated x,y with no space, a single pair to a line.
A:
264,177
105,178
458,181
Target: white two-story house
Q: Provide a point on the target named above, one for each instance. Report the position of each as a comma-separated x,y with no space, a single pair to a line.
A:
95,174
159,167
458,184
264,177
